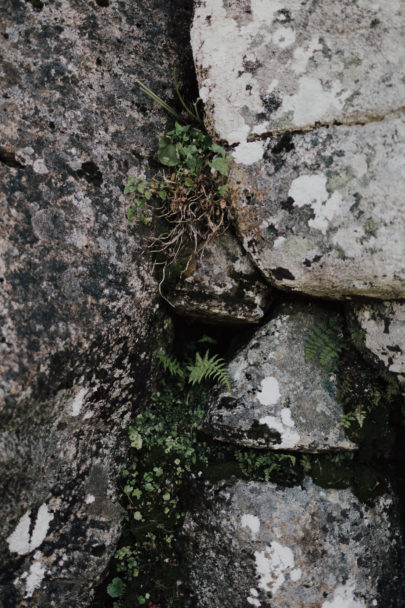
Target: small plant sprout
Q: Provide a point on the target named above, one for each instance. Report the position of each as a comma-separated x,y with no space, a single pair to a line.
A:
188,203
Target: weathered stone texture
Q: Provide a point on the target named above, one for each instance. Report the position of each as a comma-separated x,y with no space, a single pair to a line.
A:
278,400
324,214
222,286
275,66
78,305
319,207
379,333
260,544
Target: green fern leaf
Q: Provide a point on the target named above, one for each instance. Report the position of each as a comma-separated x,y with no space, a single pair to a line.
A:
170,365
208,368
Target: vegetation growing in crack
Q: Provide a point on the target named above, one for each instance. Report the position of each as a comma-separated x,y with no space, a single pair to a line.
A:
369,398
187,204
170,458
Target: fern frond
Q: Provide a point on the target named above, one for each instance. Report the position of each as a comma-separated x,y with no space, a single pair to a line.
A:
170,365
324,342
208,367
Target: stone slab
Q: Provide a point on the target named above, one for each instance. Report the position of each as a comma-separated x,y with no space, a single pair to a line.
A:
324,212
260,544
278,400
271,66
222,286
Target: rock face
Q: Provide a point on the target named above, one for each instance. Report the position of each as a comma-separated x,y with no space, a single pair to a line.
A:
221,287
78,306
259,544
278,399
318,207
379,328
267,67
324,213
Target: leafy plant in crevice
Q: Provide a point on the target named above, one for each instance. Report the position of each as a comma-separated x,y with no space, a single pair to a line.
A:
366,395
167,457
187,204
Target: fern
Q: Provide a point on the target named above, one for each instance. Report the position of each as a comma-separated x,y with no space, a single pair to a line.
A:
202,369
324,343
208,367
171,365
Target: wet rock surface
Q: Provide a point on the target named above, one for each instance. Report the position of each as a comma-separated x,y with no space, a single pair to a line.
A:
221,287
379,333
278,399
261,544
78,309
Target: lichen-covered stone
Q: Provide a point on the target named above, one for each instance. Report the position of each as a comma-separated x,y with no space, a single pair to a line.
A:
278,399
78,305
318,212
260,544
324,214
270,66
378,330
222,286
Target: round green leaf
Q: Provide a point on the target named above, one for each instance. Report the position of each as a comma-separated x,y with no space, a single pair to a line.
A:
167,152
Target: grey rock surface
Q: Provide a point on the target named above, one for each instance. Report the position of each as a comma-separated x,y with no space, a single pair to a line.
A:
260,544
222,286
379,333
319,207
278,400
287,65
324,214
78,306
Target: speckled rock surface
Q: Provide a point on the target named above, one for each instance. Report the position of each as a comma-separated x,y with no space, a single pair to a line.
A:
78,305
287,65
379,330
221,287
278,400
313,108
324,214
259,544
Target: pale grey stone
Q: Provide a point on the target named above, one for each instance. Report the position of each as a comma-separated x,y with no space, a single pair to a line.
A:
379,332
287,65
279,400
222,286
260,544
324,212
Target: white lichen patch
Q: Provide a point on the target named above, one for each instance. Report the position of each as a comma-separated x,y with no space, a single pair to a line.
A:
21,541
249,153
272,564
252,522
311,190
312,102
270,391
89,499
78,401
40,167
283,425
35,576
343,597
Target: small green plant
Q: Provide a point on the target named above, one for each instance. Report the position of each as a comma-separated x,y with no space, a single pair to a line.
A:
203,368
189,204
325,343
